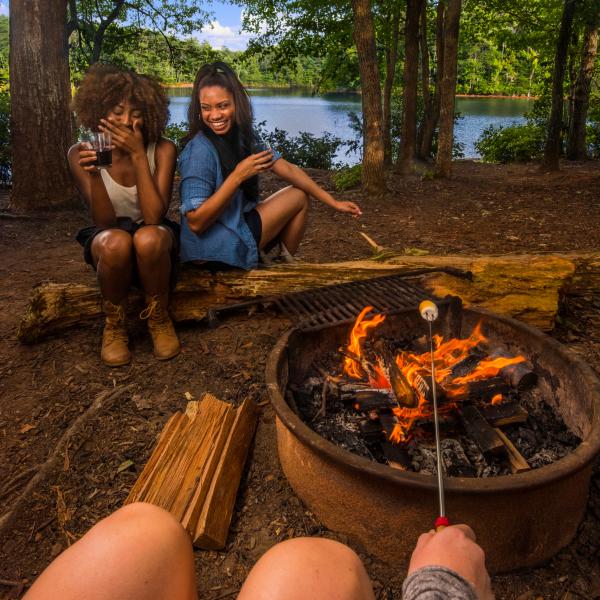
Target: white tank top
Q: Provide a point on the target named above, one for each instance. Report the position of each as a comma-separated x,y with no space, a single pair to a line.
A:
124,199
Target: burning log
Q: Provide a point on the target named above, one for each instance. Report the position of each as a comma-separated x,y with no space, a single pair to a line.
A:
372,399
520,376
404,393
506,413
518,464
365,365
481,432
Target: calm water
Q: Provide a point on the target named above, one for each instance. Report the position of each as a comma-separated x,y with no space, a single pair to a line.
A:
299,111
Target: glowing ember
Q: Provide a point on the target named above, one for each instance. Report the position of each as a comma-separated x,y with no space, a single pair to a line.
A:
416,368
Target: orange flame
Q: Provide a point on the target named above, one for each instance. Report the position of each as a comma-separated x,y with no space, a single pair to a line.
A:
357,335
417,370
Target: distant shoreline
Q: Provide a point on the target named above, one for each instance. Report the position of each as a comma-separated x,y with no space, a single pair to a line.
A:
284,87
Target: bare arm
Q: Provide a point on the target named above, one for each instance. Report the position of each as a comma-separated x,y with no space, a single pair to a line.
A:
200,219
89,182
154,191
298,178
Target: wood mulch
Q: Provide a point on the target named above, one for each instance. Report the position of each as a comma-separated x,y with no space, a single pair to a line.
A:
44,388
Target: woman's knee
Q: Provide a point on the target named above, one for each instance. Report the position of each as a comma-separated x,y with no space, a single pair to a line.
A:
113,247
151,242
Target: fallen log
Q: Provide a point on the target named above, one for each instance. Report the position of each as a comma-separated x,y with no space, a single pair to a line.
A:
196,466
526,287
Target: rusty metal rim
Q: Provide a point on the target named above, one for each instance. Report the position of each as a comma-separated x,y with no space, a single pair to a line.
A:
567,466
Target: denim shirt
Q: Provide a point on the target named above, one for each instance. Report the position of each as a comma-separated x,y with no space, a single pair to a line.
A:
228,239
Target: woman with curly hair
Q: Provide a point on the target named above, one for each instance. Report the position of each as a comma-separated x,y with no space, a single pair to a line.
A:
131,241
222,218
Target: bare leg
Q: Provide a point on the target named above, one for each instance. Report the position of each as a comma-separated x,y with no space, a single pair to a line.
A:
112,252
138,553
283,216
308,568
153,245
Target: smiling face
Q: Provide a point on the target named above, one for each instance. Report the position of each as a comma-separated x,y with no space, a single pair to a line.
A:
217,109
124,113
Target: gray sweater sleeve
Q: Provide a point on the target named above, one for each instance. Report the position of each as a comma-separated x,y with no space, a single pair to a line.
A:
437,583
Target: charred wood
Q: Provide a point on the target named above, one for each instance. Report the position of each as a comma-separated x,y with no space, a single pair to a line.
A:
405,395
481,432
396,456
507,413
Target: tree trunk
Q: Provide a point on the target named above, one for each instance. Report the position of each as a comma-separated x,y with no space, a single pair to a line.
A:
443,163
430,119
427,102
576,144
373,174
40,96
391,59
553,138
408,146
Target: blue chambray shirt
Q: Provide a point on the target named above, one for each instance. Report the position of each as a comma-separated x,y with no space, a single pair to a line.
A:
229,239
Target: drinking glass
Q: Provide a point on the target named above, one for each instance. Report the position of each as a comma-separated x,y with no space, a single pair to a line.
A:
102,143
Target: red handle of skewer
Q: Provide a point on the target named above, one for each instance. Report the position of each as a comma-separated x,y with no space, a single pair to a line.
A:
440,523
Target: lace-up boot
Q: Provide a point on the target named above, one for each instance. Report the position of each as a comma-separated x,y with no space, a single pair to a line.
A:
160,326
114,338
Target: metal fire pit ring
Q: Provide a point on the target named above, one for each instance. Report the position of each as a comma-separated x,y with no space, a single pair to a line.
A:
520,520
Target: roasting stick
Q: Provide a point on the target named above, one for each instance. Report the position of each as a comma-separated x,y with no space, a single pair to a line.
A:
429,311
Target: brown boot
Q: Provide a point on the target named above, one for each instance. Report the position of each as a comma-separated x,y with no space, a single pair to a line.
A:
114,339
160,326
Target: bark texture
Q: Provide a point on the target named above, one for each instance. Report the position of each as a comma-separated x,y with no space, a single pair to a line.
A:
448,89
527,287
408,147
40,96
432,113
576,144
554,138
373,175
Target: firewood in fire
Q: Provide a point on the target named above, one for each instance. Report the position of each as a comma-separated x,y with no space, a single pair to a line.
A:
365,365
396,456
486,389
455,460
518,464
520,375
403,391
481,432
507,413
372,399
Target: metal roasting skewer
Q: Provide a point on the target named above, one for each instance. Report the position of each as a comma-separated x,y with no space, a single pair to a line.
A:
429,311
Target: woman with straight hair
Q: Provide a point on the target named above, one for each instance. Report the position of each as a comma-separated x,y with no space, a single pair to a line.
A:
223,222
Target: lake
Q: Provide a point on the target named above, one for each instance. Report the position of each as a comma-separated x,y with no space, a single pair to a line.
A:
297,111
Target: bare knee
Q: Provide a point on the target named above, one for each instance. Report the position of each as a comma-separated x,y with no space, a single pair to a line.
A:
300,198
113,248
151,242
311,567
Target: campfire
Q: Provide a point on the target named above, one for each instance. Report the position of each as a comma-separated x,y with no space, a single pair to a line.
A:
376,400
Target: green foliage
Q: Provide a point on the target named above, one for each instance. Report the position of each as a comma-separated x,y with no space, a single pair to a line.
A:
519,143
175,132
305,149
347,178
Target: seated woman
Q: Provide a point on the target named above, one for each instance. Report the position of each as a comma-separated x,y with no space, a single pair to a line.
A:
222,219
131,241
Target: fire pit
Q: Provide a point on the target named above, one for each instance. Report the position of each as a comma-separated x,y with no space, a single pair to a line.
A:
520,519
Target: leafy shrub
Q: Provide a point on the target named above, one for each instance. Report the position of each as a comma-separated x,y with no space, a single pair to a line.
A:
175,132
5,144
518,143
347,178
305,149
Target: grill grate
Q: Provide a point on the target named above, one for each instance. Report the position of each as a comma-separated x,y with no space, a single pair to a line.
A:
341,303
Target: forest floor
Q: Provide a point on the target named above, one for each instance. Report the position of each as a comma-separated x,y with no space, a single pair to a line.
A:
44,387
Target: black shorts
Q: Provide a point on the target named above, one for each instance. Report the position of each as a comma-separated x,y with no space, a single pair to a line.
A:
86,236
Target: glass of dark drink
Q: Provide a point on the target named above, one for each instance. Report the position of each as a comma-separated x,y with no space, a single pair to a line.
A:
102,143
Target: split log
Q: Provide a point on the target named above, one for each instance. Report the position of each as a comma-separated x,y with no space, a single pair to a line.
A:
507,413
480,431
196,466
526,287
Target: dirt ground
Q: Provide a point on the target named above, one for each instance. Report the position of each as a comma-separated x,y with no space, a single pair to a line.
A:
44,387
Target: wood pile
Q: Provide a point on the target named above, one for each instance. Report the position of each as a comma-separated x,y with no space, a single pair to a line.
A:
195,469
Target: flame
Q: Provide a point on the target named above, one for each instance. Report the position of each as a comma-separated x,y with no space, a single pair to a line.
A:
357,335
417,370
